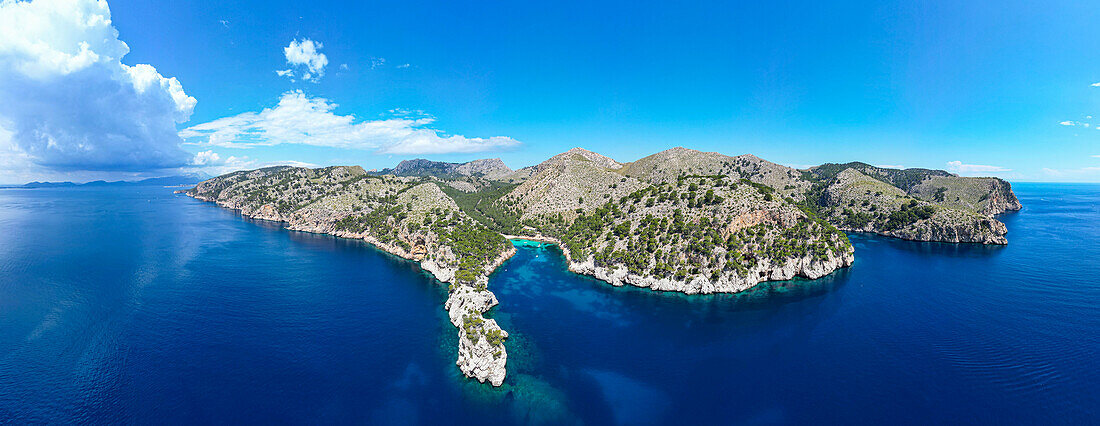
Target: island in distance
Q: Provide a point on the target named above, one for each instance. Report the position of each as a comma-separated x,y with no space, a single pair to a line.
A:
679,220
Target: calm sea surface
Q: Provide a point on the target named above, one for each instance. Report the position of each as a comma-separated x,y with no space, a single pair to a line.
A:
135,305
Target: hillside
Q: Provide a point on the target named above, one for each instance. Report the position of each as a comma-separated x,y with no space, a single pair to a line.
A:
913,204
679,220
857,202
668,165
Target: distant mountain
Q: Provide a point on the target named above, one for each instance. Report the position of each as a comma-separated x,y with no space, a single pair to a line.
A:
905,179
178,180
43,185
492,168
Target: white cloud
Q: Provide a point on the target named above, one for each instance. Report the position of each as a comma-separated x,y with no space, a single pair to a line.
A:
212,163
1096,84
403,66
377,62
305,56
299,119
968,169
68,101
206,158
291,163
1068,123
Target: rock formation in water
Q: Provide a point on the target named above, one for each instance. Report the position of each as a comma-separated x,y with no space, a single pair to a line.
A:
679,220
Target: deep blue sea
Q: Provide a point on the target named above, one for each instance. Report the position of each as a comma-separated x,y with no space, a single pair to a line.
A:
135,305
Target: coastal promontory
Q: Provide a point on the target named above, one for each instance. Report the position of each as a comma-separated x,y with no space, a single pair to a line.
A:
679,220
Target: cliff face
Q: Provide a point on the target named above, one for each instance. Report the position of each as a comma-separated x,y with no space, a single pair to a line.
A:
1001,198
679,220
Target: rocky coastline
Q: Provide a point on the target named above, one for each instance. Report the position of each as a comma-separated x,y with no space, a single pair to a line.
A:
806,267
477,357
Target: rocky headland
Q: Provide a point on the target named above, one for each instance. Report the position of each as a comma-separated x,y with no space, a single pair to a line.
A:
680,220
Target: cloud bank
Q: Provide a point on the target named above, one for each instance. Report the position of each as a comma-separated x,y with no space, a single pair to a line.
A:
300,119
67,102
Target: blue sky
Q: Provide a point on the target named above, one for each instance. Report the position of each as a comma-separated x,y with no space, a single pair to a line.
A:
979,88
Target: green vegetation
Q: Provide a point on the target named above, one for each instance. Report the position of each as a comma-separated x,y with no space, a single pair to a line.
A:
488,206
940,194
472,243
904,179
856,220
909,214
689,242
383,222
472,325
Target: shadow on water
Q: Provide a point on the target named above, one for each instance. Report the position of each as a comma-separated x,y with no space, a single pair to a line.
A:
866,241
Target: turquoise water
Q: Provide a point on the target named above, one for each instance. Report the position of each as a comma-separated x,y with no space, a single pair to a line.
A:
137,305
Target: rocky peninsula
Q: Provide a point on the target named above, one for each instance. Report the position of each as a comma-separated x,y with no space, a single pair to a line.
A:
680,220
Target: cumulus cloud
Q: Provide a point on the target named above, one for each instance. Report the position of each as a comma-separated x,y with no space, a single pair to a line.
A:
304,56
206,158
967,169
1096,84
212,163
300,119
69,102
